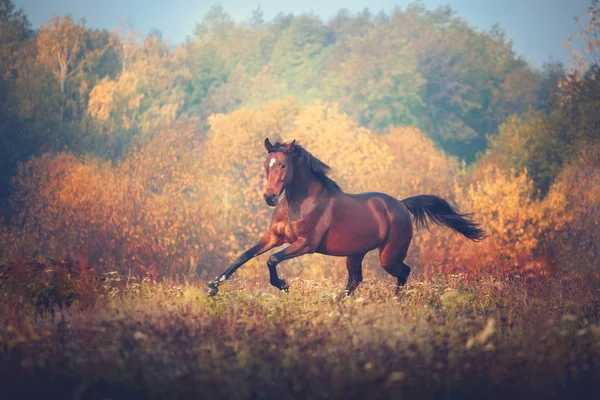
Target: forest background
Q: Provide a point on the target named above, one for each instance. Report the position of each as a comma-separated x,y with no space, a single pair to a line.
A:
128,154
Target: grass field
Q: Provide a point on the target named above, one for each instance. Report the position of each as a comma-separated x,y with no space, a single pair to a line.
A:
443,336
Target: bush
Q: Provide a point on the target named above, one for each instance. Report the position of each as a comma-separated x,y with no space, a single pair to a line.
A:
183,203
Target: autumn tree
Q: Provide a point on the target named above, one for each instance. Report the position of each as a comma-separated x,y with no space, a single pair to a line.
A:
61,46
72,54
148,95
127,41
589,37
527,142
577,110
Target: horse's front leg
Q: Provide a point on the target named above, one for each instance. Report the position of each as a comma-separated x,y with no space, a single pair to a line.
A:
268,241
296,249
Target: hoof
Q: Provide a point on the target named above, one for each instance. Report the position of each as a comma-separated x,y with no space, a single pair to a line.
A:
212,290
345,293
283,285
404,277
398,290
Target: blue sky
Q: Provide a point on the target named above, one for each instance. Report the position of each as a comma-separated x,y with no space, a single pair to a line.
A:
538,28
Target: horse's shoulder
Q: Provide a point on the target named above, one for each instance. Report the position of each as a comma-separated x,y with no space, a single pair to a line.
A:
279,213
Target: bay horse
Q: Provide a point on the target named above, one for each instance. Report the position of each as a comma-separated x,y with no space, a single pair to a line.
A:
315,215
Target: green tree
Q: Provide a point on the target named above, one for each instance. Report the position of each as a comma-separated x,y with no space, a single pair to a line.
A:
15,29
15,48
576,111
377,81
467,75
528,142
299,56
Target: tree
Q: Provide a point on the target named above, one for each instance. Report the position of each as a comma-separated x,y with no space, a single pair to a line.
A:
149,94
377,82
576,112
527,142
589,36
61,46
466,77
15,49
127,41
299,56
15,29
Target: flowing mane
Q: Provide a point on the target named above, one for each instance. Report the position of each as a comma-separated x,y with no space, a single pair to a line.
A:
315,166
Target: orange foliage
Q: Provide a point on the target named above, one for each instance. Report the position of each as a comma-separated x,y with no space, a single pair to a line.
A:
145,95
142,214
577,246
182,202
516,222
418,167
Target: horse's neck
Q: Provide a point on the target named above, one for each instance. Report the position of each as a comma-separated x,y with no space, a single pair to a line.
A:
304,187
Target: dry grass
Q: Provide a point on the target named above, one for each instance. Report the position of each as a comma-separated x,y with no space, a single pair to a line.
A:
444,336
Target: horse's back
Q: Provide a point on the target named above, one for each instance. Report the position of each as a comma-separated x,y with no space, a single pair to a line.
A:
393,206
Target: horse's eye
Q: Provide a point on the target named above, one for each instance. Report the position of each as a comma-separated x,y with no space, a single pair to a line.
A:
283,165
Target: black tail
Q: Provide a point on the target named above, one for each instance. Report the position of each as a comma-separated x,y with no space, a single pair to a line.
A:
441,213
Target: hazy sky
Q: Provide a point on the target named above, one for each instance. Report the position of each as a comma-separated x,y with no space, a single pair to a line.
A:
538,28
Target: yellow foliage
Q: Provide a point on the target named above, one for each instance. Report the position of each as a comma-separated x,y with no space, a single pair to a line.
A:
183,201
142,214
61,47
518,225
102,99
418,167
359,160
145,94
577,246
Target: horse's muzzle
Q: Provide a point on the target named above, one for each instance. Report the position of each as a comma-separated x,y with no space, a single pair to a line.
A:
271,199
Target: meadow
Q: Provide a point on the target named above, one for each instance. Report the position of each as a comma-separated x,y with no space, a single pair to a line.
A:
444,336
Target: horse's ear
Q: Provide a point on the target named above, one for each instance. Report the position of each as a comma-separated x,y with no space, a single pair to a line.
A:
290,146
268,144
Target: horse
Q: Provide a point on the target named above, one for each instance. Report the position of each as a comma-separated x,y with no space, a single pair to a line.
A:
315,215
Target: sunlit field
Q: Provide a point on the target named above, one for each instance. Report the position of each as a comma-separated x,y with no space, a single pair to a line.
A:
133,173
443,336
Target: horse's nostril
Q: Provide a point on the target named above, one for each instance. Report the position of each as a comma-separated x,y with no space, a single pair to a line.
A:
270,199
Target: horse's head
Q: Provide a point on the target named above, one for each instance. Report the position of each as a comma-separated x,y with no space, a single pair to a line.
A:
279,169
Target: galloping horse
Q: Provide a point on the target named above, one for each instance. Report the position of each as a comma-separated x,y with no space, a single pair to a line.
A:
316,216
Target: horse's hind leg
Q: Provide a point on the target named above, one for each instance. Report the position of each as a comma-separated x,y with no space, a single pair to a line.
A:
354,266
400,271
393,252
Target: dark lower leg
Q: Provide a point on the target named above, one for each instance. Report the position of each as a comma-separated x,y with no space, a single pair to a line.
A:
213,287
354,266
404,276
400,271
296,249
280,284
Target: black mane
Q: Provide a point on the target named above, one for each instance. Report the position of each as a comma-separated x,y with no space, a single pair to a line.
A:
315,166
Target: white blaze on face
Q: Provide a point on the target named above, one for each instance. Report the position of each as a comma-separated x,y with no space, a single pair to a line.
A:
272,162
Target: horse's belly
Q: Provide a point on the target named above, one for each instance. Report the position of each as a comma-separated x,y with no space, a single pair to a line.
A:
347,239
